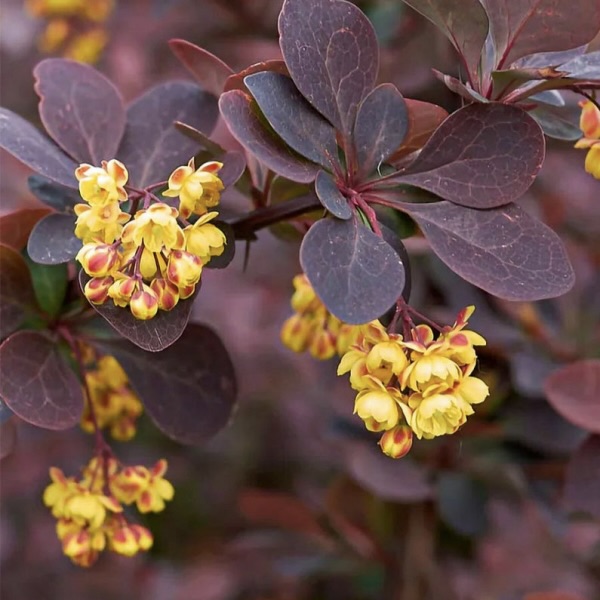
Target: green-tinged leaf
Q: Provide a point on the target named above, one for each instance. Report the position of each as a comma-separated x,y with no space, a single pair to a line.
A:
574,391
15,227
37,383
17,298
558,123
356,273
462,503
188,389
50,285
154,334
463,22
52,241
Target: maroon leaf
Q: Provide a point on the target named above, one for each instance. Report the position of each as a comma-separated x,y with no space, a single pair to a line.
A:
245,126
330,48
293,118
482,156
154,334
582,479
200,138
21,139
423,119
188,389
17,298
584,67
208,70
15,227
37,383
80,109
236,81
8,437
503,251
234,165
330,196
521,27
394,480
381,126
574,391
357,274
463,22
465,90
152,147
59,197
52,241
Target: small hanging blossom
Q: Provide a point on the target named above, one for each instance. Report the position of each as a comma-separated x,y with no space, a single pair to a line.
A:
589,123
89,510
149,262
197,189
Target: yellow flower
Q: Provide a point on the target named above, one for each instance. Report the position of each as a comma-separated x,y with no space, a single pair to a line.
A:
88,46
204,239
103,185
98,260
592,161
59,491
198,189
386,360
122,289
183,269
53,36
589,121
430,370
397,442
380,408
304,298
156,227
322,344
100,224
296,332
144,303
437,414
89,508
128,539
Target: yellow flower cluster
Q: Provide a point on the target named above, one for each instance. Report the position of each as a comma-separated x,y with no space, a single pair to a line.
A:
149,262
74,27
115,405
313,327
421,385
589,123
89,510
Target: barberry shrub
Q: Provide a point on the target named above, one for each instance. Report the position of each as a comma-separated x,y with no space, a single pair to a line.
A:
95,310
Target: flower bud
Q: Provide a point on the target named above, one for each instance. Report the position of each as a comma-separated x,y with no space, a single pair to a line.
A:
184,268
589,122
98,260
130,539
186,291
322,344
144,303
96,289
122,289
397,442
296,333
592,161
166,292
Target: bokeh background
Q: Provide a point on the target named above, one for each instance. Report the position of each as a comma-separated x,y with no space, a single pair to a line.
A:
293,501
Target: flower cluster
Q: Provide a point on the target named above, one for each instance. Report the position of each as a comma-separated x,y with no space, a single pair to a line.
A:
114,405
89,510
313,327
74,28
148,262
420,386
589,124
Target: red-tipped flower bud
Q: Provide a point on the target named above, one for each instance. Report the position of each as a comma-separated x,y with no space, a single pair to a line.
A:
98,260
96,289
144,303
397,442
184,268
166,292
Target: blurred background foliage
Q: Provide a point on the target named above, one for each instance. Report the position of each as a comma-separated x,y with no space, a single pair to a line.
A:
294,501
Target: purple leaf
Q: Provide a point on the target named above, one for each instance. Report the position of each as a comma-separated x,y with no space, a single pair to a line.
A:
482,156
17,297
8,437
245,126
574,391
393,480
503,251
52,241
357,275
236,81
582,479
462,503
53,194
521,27
21,139
463,22
458,87
381,126
188,389
293,118
80,109
154,334
559,123
208,70
330,48
152,147
37,383
585,67
549,59
234,165
330,196
16,226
